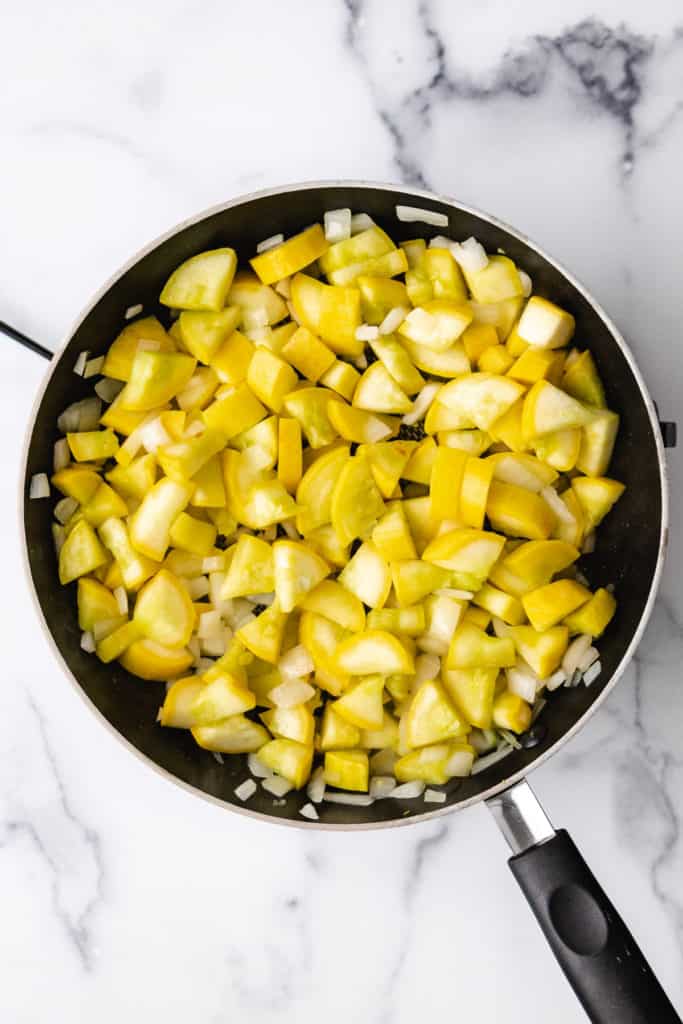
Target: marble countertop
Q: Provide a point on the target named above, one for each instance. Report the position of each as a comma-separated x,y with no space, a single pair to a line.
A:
123,897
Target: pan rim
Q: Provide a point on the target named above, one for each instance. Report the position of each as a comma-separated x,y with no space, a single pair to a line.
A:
541,758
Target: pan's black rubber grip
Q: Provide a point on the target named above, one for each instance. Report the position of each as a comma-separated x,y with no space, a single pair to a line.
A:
595,949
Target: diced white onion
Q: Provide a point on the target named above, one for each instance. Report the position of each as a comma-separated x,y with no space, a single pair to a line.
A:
133,311
382,763
440,242
557,505
381,786
337,225
523,682
482,740
83,415
153,435
108,388
361,362
291,694
592,673
588,546
194,429
408,791
351,799
490,759
296,662
104,627
455,593
93,367
214,563
427,667
264,599
361,222
471,255
527,283
591,656
217,756
64,509
421,403
88,642
460,764
214,644
257,767
434,796
574,654
284,287
277,785
556,680
309,811
79,365
209,625
411,214
315,789
245,790
198,587
366,332
39,486
121,599
393,320
61,456
270,243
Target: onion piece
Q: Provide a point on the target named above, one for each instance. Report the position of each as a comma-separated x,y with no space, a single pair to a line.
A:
61,456
277,785
291,693
204,664
408,791
592,673
270,243
421,403
427,666
257,767
107,389
471,255
93,367
574,654
264,599
245,790
133,311
83,415
500,628
64,509
552,498
351,799
556,680
315,789
510,738
209,625
460,764
337,225
393,320
79,365
214,563
366,332
195,429
197,587
412,214
361,222
88,642
440,242
309,811
591,656
39,486
382,763
153,435
290,529
434,796
382,786
296,663
121,599
217,756
523,682
527,283
482,763
455,593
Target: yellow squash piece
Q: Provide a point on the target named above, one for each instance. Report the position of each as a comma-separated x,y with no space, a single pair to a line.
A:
497,281
347,769
384,737
518,512
311,406
522,470
548,605
511,712
270,378
472,648
96,603
436,324
81,553
151,660
77,482
320,636
296,724
377,391
357,425
468,554
336,733
289,466
419,467
379,295
260,304
429,764
472,691
180,461
203,333
202,282
480,399
597,444
342,378
409,621
504,606
368,576
593,617
251,569
150,526
308,354
414,579
373,651
194,535
115,643
582,380
121,353
331,312
596,496
314,493
297,570
104,504
445,483
392,537
532,365
291,255
92,445
156,378
134,480
356,503
388,461
560,449
234,413
231,361
477,339
548,409
222,697
234,735
452,362
542,651
474,490
501,315
398,363
337,604
431,717
176,711
263,635
164,611
134,568
545,325
444,274
362,703
289,759
495,359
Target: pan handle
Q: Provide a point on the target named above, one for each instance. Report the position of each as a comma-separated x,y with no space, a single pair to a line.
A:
592,944
23,339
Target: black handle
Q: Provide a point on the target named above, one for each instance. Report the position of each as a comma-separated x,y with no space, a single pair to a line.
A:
24,340
593,946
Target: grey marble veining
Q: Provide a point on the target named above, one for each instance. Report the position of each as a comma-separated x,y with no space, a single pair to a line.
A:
123,897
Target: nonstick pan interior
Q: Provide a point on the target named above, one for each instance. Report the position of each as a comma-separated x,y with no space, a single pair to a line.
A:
629,544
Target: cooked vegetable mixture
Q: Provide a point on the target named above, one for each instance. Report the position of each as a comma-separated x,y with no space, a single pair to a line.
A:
336,506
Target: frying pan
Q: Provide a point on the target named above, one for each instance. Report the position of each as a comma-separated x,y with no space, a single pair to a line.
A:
591,942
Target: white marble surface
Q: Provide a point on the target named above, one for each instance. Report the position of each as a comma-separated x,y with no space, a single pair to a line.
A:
122,897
